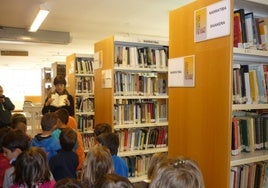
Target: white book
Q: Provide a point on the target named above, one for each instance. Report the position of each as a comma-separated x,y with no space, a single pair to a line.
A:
59,100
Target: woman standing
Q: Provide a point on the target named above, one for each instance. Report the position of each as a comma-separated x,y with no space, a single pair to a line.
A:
60,98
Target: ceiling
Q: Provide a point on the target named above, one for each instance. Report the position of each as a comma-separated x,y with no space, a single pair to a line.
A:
87,21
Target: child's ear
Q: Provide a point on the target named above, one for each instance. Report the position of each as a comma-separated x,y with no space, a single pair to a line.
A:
17,151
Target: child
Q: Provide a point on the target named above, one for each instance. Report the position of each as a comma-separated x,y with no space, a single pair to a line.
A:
68,183
111,141
63,118
4,163
98,163
113,181
178,173
19,122
14,143
32,170
102,128
65,162
44,140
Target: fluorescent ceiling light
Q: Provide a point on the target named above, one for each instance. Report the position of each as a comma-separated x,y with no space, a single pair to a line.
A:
42,14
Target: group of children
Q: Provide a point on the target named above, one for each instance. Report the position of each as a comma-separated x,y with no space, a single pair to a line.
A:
53,157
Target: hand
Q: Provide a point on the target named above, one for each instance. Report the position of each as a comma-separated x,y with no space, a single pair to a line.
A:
49,101
67,102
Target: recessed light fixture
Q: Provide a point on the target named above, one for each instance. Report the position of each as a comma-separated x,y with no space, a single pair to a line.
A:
41,16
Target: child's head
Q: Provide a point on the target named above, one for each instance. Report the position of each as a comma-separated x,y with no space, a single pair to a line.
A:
113,181
154,163
63,115
102,128
32,167
68,139
14,143
178,173
98,163
68,183
49,121
110,140
19,121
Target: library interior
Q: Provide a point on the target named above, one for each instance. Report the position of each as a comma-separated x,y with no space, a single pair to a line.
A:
186,80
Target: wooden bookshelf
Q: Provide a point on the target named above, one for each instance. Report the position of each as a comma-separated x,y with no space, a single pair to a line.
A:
112,103
46,82
80,84
200,116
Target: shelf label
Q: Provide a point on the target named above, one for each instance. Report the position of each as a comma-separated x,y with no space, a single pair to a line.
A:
106,78
212,21
181,72
98,59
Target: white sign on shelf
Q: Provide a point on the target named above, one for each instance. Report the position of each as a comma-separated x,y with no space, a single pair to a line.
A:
106,78
212,21
98,60
181,71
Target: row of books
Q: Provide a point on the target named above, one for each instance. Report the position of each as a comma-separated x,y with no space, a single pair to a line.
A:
250,31
84,84
131,83
250,175
88,140
249,132
142,138
141,57
85,123
84,104
84,65
137,165
135,111
250,83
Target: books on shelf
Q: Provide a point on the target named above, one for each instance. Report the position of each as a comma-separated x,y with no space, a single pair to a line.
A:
250,31
142,138
84,65
139,111
250,83
141,57
249,175
249,132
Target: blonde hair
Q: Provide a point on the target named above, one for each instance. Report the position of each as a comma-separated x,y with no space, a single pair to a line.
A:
97,164
177,173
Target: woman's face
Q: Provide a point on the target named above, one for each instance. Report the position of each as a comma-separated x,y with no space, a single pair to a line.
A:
60,88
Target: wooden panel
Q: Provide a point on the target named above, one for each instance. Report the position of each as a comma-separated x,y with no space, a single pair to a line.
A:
104,96
200,117
70,74
33,99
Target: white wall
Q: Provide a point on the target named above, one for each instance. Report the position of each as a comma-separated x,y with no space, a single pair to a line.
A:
18,82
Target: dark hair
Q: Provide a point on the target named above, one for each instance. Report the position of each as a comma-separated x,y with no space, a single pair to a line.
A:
113,181
48,121
63,115
32,167
16,139
3,133
59,79
68,139
17,118
98,163
68,183
110,140
102,128
180,173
